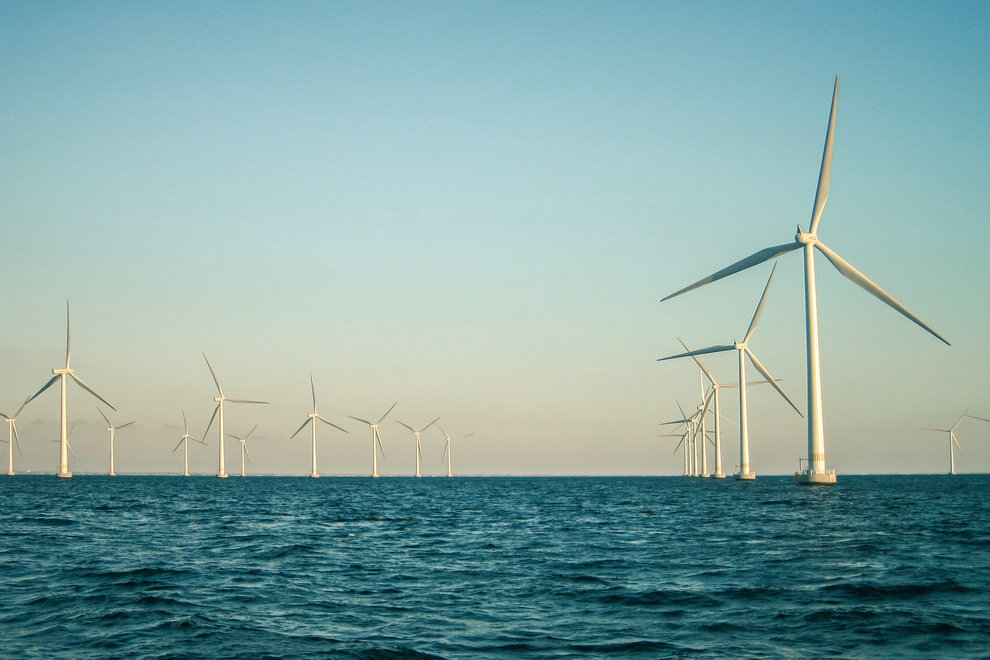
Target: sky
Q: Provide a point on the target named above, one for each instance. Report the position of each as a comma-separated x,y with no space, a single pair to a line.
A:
473,209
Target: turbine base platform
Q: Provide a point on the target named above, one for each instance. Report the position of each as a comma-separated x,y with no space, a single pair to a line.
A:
809,478
10,473
746,477
314,476
63,475
718,476
222,475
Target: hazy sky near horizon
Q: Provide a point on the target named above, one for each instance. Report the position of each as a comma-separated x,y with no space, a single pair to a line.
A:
473,209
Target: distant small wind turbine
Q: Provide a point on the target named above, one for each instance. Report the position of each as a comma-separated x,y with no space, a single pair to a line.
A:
447,446
743,350
816,472
311,418
60,374
952,439
244,449
185,440
12,433
113,430
419,447
222,470
376,438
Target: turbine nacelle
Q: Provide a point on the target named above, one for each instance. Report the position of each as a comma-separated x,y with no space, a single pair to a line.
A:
806,238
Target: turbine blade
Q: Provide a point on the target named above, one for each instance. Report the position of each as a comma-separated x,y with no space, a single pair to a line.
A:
429,425
308,420
17,440
926,428
447,444
250,432
178,445
185,424
984,419
312,386
770,379
406,425
68,344
759,308
466,435
91,391
957,443
246,451
327,421
961,418
32,398
683,414
386,413
863,281
104,417
215,411
363,421
678,445
700,351
215,379
765,254
378,439
245,401
825,174
711,378
124,426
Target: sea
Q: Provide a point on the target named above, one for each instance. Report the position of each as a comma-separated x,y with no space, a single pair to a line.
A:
494,567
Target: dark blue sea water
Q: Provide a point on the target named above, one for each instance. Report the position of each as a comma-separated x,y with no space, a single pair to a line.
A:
171,567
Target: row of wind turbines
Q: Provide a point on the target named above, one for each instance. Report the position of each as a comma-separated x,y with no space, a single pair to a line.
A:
65,449
814,469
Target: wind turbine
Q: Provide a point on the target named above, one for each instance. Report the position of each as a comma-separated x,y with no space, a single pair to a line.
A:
816,472
244,449
311,418
376,439
447,446
419,447
688,439
222,470
952,438
60,374
742,349
113,430
12,438
185,439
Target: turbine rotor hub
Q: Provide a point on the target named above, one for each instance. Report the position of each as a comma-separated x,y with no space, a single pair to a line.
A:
804,238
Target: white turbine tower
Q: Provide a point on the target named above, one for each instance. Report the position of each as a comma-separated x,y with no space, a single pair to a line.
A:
185,440
376,439
816,472
113,430
60,374
419,446
12,438
447,447
222,470
313,416
743,351
244,449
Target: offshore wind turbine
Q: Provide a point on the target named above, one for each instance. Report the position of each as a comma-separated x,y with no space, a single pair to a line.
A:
816,472
376,439
185,440
312,417
952,438
447,447
11,439
743,351
419,446
222,469
60,374
113,430
244,449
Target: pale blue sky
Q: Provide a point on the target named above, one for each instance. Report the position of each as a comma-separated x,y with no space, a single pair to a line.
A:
474,209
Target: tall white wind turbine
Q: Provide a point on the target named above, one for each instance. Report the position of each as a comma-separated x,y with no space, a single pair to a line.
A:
376,439
113,431
419,446
447,447
244,450
60,374
743,351
11,439
222,470
952,439
185,441
313,416
816,472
